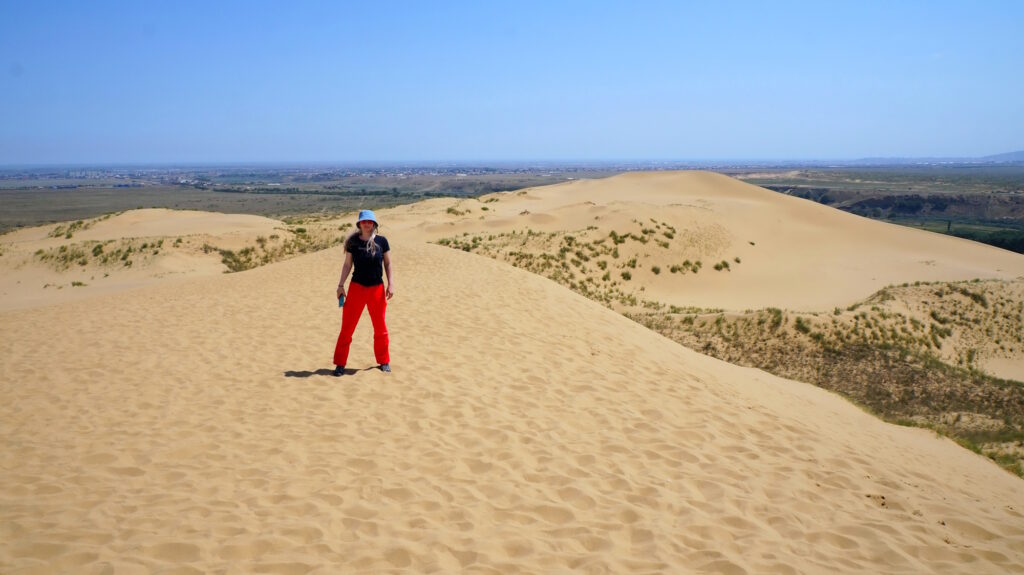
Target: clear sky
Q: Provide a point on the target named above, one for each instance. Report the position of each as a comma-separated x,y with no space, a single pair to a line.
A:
182,81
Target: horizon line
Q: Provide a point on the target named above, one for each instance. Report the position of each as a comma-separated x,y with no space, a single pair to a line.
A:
567,162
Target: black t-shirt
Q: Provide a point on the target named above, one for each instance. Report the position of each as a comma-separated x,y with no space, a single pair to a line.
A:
369,268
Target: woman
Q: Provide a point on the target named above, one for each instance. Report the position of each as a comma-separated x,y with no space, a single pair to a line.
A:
366,251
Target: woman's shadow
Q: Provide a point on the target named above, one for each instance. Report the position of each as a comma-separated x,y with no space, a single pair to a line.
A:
348,371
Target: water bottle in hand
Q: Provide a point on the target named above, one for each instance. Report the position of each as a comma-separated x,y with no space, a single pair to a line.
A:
341,301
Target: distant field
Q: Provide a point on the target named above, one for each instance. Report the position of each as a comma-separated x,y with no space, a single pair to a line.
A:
37,201
15,184
36,207
897,179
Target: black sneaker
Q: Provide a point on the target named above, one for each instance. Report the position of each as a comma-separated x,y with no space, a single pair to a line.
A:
340,370
385,367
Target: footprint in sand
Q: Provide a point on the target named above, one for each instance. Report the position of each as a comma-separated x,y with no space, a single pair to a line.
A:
175,552
554,514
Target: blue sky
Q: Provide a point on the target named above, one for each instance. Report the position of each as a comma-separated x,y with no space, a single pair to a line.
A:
137,82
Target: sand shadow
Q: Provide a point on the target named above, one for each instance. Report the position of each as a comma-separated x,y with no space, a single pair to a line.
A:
312,373
330,372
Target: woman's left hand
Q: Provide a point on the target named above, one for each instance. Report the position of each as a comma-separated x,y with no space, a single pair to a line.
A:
390,291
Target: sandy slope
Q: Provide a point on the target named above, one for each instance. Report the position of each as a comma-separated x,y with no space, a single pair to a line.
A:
190,428
795,254
155,222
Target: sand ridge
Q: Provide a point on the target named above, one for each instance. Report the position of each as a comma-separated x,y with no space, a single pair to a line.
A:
795,254
525,429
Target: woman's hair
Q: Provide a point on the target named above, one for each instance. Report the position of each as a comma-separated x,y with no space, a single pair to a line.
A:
351,243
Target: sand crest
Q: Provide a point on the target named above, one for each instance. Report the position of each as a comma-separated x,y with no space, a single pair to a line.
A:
796,254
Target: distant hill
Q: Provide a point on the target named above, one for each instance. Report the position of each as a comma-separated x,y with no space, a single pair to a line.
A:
1007,158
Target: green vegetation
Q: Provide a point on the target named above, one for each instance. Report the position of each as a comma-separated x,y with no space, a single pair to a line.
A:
270,250
580,259
67,231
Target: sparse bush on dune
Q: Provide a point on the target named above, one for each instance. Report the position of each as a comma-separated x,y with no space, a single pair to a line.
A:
775,318
977,297
63,257
267,250
801,325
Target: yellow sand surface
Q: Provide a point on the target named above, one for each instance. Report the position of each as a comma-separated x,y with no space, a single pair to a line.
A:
192,428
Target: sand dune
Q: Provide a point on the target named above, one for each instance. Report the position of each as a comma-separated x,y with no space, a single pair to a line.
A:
167,246
795,254
154,222
189,429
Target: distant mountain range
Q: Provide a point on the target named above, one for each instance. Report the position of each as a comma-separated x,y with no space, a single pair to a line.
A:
1007,158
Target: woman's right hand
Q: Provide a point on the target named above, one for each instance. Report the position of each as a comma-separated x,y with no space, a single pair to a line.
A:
341,292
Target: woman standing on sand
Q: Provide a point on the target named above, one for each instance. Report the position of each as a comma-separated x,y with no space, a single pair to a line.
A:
367,251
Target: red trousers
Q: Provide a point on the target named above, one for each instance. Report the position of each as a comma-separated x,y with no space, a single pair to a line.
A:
358,297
